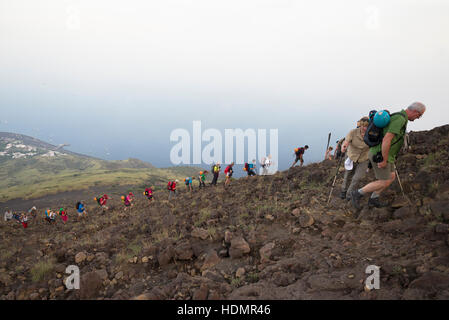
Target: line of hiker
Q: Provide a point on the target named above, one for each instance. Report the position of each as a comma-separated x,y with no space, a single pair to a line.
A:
375,143
50,216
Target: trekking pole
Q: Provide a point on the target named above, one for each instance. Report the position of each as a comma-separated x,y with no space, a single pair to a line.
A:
402,189
328,141
335,178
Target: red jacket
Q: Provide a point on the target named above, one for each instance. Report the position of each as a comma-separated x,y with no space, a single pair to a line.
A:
171,185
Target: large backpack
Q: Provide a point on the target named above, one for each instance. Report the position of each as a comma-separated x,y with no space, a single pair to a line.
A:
374,135
78,205
339,154
169,185
246,168
299,151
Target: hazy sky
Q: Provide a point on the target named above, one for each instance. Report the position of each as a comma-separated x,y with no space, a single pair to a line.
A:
114,78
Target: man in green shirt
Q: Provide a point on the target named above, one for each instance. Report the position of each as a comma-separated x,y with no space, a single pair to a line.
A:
389,148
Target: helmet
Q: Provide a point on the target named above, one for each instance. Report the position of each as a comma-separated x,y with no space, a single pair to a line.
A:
381,119
296,149
123,197
105,196
201,172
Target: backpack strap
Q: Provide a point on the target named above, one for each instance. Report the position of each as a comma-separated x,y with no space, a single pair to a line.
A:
402,138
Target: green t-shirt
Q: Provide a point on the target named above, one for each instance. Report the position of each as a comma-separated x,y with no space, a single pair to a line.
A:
397,126
203,177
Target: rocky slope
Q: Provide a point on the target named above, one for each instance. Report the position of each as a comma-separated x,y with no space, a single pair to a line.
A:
267,237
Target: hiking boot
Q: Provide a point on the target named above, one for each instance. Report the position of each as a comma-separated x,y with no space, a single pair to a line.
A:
343,195
374,202
355,199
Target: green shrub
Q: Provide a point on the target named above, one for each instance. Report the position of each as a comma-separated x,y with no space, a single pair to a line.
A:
41,270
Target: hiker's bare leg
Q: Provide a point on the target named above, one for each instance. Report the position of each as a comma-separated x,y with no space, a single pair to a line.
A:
379,185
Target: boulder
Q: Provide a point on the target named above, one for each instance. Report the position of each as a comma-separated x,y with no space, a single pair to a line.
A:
201,293
103,274
238,248
404,212
296,212
90,285
399,202
102,258
440,209
184,251
240,272
431,281
266,251
200,233
165,257
80,257
306,220
211,260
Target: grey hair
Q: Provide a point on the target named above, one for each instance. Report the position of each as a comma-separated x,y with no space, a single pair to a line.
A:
417,106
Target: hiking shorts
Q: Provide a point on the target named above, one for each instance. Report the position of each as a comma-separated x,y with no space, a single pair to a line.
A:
298,158
384,173
229,174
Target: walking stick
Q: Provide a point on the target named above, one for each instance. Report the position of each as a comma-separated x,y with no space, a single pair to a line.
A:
402,189
328,141
335,178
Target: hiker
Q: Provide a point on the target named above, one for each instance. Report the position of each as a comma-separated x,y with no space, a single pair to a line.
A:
299,152
149,194
16,216
24,220
33,212
356,162
328,155
250,168
229,171
188,182
338,154
63,215
383,155
171,187
50,216
8,214
265,164
216,171
202,179
102,201
80,208
127,200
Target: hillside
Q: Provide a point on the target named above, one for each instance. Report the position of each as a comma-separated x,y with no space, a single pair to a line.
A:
266,237
31,168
